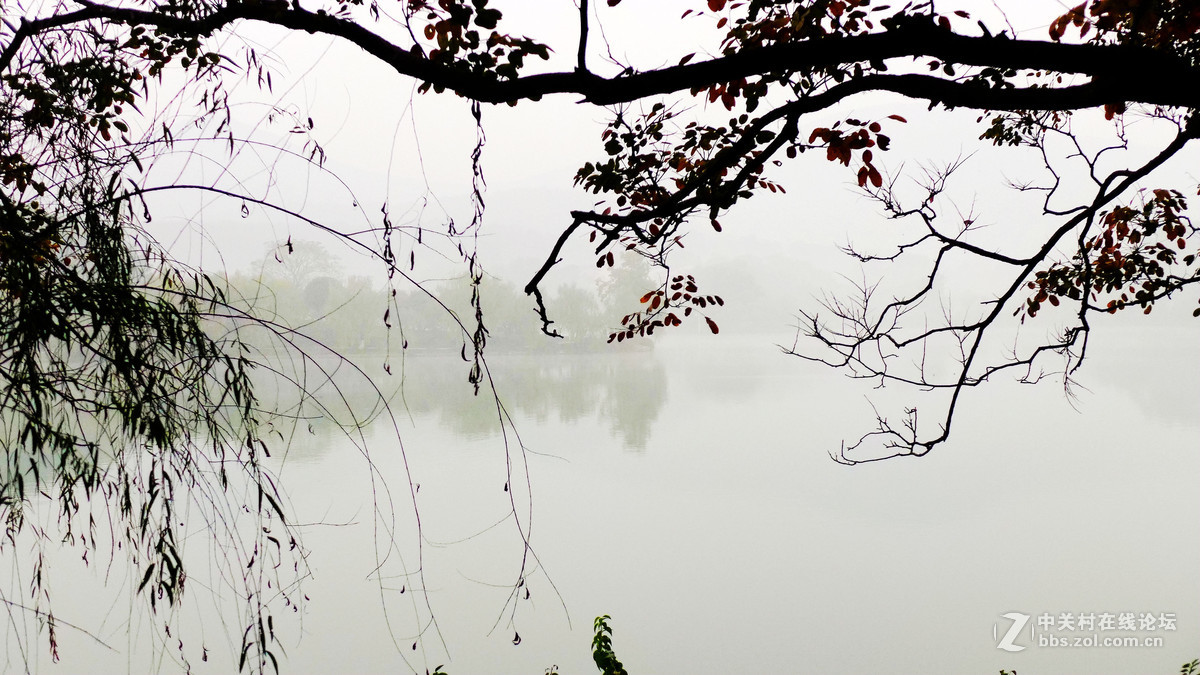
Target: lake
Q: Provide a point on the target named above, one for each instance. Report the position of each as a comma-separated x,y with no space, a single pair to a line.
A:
688,492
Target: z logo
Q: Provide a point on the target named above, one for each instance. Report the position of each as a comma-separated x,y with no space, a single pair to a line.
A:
1018,622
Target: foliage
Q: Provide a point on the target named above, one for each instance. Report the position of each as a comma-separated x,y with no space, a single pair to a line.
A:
602,651
1125,253
120,400
344,313
1187,669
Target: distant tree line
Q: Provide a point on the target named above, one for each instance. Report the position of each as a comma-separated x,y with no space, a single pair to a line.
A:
299,286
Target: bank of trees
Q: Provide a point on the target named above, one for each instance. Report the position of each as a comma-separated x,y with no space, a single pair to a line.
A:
118,394
306,290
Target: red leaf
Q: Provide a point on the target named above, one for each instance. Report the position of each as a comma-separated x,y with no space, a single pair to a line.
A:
898,118
1057,29
715,5
712,325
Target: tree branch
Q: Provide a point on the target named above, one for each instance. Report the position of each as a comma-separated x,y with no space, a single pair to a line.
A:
581,56
1120,72
858,343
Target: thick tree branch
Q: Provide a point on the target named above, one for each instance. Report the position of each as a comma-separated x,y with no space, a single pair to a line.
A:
1119,72
534,286
581,56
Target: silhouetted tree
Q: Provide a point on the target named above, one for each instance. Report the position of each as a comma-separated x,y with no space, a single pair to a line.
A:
116,394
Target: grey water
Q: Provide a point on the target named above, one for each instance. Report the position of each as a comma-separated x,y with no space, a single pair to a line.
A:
688,492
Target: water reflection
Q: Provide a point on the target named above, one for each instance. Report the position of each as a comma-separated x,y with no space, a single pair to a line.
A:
735,530
626,392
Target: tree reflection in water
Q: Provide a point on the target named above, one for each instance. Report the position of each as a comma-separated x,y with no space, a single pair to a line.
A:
626,391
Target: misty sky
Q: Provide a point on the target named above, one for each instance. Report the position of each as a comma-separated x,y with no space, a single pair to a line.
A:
388,145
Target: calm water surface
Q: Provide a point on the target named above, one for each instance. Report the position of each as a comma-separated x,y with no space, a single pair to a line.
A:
689,493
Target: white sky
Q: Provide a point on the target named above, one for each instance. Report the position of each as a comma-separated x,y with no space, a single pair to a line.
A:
388,144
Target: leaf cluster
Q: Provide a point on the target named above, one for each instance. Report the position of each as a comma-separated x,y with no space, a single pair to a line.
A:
1135,259
602,651
462,35
681,292
1165,25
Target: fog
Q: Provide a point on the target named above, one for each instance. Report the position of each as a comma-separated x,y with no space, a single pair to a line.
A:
683,484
